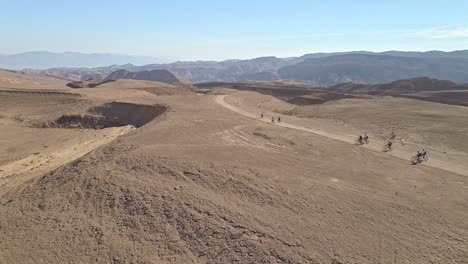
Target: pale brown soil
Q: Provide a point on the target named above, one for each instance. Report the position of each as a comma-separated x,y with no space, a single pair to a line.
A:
208,182
13,78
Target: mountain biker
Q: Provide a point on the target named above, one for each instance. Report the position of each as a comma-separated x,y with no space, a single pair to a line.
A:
366,138
279,119
423,153
389,145
360,139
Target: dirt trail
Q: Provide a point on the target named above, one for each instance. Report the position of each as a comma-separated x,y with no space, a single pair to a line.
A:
15,173
374,146
267,119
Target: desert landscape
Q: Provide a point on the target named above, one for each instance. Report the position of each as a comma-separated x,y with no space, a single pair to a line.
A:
283,132
139,171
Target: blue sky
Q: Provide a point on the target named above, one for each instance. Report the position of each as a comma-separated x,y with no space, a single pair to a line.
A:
202,29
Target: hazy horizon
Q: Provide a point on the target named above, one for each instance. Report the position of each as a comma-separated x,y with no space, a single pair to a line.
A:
213,30
170,60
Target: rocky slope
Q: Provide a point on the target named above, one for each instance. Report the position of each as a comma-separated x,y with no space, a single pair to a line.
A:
163,76
10,77
372,69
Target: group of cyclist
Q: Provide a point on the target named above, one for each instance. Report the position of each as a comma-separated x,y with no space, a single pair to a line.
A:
420,155
361,140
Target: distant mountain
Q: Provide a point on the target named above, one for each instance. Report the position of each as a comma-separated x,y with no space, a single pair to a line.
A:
163,76
261,76
44,60
196,71
315,68
458,54
325,54
229,70
372,69
411,54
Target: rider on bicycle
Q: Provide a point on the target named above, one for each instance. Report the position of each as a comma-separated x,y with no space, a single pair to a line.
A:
389,145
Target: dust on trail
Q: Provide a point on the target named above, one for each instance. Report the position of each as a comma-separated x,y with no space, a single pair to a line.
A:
15,173
375,146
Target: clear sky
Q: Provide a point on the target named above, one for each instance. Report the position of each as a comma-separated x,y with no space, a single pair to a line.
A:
209,29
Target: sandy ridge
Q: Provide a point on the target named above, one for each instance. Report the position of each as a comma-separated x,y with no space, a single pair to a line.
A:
15,173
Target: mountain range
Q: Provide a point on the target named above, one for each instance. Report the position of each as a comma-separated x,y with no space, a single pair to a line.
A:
373,69
319,69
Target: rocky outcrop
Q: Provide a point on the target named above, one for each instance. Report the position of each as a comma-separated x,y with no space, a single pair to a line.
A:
163,76
90,83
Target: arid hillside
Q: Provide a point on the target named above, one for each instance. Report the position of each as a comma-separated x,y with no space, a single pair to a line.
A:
12,78
292,92
422,88
163,76
127,173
